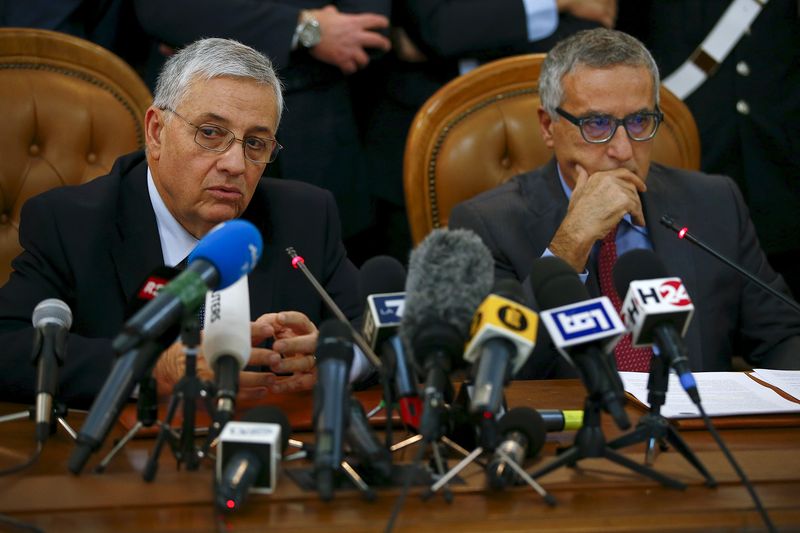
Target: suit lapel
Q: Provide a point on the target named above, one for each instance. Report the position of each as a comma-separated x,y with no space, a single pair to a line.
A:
262,279
135,246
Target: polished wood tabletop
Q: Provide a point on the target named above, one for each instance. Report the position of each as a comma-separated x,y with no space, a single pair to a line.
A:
595,495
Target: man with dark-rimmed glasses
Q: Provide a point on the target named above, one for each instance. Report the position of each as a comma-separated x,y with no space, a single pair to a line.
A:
600,196
209,135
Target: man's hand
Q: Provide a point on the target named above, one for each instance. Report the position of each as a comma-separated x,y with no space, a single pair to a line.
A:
597,204
601,11
292,351
345,37
295,341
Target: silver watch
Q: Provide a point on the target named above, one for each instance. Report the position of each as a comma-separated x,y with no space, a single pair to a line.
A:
308,31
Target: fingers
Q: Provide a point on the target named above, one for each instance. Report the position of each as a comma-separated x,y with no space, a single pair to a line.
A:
581,177
296,321
371,39
263,328
302,363
295,383
371,21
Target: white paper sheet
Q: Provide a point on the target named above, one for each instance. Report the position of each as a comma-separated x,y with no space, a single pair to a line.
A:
721,393
786,380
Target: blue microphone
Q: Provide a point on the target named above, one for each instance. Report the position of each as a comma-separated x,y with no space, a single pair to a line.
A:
225,254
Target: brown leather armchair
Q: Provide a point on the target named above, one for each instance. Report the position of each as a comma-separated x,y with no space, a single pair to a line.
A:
69,109
481,129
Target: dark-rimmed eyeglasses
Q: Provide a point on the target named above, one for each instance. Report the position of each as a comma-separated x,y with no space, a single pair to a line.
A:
597,129
215,138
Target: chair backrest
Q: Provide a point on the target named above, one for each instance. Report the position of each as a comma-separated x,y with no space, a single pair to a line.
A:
69,108
481,129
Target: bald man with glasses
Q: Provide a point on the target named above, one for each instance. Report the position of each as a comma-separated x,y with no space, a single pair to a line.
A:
601,196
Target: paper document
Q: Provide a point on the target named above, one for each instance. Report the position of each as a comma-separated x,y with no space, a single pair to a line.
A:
786,380
721,393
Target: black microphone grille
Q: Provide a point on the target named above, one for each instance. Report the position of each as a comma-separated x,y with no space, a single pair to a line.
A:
509,288
637,265
335,341
381,274
528,422
52,311
555,283
269,414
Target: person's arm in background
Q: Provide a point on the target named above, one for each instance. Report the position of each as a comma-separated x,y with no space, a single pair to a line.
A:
266,26
448,28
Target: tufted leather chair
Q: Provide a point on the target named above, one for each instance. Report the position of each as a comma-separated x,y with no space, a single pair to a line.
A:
69,109
481,129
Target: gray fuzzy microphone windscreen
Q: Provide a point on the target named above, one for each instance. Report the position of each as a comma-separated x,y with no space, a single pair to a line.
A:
449,275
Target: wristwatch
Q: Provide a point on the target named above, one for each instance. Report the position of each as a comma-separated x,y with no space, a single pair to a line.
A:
308,32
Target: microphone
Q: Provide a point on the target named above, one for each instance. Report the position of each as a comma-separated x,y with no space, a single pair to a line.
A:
683,233
383,278
331,395
225,254
364,444
557,420
52,319
583,330
230,250
299,263
227,343
523,432
248,456
657,309
503,335
450,273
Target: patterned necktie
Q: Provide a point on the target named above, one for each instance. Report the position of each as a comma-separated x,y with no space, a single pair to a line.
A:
628,358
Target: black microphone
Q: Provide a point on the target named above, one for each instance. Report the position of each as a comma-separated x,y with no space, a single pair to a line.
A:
503,336
657,310
248,456
450,273
364,444
231,249
583,330
683,233
331,395
52,319
523,432
383,280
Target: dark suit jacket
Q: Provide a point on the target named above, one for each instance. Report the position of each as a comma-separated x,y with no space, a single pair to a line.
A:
318,128
518,219
94,245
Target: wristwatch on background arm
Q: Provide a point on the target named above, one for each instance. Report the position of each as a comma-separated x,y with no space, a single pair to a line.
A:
308,32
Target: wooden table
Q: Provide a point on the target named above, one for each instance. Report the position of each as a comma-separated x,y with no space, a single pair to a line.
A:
596,495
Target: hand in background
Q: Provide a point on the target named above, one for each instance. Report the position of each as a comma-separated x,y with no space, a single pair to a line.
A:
345,38
601,11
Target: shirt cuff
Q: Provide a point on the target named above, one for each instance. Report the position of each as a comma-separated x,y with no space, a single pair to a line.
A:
542,18
583,275
361,367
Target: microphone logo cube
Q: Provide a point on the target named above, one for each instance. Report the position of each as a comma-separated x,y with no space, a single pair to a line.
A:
151,288
499,316
259,438
654,301
383,316
583,322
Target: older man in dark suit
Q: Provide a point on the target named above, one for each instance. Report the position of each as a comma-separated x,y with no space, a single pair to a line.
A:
209,134
601,196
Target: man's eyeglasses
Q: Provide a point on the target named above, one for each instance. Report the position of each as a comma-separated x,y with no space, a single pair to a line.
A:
218,139
597,129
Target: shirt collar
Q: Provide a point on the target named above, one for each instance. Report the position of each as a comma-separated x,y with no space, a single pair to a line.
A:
176,242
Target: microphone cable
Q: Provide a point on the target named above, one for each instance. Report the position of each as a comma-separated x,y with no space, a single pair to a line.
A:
745,481
22,466
401,498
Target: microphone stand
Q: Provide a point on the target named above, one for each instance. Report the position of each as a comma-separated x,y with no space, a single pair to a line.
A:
654,428
146,416
187,391
59,411
590,442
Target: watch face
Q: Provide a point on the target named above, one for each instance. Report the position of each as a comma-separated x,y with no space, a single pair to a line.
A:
310,34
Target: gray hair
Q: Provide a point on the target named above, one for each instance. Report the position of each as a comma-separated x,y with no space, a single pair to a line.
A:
212,58
598,48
